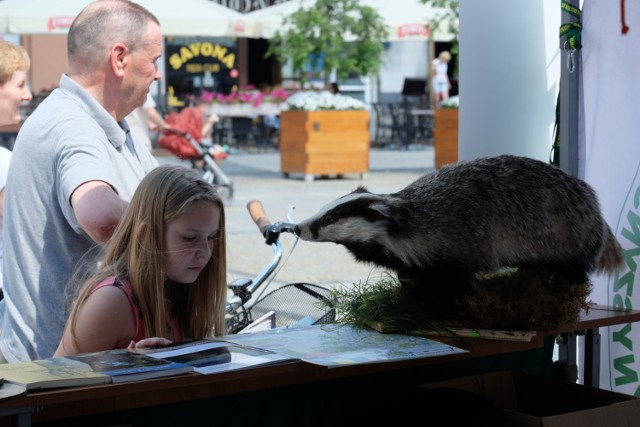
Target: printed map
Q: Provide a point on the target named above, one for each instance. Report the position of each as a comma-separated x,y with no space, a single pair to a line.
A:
342,345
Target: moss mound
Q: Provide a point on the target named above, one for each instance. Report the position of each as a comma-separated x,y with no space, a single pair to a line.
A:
512,299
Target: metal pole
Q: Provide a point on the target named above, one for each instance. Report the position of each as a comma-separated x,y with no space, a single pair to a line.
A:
592,358
569,98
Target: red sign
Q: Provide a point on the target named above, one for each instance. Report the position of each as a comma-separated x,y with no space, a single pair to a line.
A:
240,27
413,30
56,22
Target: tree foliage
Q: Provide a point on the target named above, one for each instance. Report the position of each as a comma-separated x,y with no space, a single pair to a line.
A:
449,14
335,34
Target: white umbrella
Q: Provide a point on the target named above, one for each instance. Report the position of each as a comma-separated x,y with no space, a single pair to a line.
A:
405,19
177,18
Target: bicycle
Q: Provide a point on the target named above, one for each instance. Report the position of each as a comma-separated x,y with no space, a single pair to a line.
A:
294,304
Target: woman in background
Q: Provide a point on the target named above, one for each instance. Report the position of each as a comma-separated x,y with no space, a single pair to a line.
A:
14,64
440,78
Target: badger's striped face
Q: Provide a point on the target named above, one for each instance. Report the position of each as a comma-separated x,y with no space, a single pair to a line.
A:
356,217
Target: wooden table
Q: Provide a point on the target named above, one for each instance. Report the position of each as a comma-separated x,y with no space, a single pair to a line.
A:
286,382
597,317
238,127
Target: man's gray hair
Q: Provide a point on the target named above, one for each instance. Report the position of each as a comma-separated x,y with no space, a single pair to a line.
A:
103,23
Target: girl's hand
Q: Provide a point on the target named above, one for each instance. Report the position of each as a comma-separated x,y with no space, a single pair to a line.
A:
149,343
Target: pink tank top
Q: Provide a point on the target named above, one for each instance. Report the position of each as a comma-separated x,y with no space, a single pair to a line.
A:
124,285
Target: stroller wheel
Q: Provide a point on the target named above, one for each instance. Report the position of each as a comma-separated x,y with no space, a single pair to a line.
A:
225,192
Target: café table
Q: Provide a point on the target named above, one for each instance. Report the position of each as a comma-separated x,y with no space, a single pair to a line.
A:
241,124
247,110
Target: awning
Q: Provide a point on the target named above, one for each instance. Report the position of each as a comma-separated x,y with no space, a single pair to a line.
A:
177,18
405,19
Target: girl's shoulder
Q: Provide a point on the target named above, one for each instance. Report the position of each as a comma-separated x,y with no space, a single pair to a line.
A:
125,288
108,315
116,282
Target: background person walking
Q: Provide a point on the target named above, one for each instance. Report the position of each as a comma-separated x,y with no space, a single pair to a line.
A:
440,83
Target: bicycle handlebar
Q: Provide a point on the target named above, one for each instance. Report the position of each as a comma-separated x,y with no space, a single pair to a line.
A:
243,289
258,215
271,232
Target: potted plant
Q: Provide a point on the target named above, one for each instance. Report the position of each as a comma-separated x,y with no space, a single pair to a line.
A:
445,134
324,134
332,36
446,118
246,102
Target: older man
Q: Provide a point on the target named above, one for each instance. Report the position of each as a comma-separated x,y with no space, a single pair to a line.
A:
73,170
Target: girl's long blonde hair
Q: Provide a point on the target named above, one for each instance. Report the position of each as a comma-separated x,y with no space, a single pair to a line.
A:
137,252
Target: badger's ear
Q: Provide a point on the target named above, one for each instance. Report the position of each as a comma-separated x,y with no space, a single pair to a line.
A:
360,189
381,207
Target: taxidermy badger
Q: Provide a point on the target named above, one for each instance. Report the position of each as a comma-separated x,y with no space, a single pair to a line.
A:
472,217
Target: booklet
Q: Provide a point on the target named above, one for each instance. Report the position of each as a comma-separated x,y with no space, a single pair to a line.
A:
8,390
48,373
209,356
489,334
124,365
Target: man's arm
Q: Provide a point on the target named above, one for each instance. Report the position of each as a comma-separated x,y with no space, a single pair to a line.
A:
156,119
209,124
98,209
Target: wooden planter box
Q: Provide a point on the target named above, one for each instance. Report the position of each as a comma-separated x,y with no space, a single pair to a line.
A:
446,136
324,143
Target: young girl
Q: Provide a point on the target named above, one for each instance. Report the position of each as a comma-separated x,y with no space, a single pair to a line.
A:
164,270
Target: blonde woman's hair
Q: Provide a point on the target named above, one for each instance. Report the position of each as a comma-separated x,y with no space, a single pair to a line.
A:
12,58
137,253
444,56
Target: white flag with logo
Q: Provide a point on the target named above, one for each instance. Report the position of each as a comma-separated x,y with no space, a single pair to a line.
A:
610,162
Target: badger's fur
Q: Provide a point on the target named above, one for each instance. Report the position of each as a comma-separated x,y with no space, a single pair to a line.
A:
471,217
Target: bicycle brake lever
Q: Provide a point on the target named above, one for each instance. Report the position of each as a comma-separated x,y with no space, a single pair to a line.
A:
272,231
271,234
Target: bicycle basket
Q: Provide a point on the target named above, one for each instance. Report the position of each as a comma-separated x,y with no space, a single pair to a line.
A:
297,303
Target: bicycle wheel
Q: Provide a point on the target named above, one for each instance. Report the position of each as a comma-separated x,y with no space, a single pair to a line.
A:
297,303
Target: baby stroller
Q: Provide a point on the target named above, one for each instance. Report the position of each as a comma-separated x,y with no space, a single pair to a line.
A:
184,141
